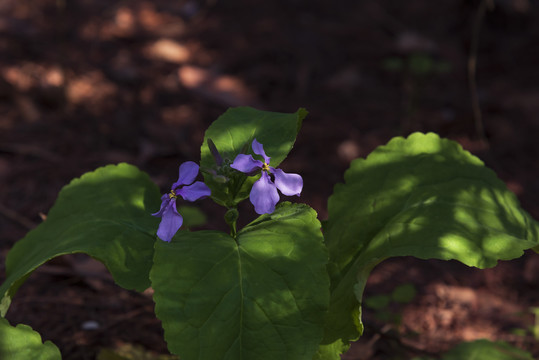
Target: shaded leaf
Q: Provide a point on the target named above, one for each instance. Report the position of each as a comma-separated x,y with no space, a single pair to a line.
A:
377,302
483,350
131,352
192,216
105,214
486,350
404,293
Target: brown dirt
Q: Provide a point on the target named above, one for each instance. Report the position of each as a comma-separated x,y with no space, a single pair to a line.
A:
87,83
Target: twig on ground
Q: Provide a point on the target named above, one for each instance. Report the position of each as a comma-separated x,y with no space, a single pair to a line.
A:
31,150
16,217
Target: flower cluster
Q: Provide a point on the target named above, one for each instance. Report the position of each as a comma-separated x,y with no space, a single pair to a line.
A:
171,220
264,195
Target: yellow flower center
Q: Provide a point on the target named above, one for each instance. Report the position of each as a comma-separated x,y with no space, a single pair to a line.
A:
265,167
172,195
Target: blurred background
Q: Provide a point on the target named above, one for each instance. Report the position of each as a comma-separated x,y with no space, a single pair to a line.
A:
85,83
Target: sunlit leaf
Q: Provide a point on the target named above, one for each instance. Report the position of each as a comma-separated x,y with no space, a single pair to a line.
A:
22,343
422,196
234,131
261,297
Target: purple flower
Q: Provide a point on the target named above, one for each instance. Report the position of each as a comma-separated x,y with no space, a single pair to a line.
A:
171,220
264,195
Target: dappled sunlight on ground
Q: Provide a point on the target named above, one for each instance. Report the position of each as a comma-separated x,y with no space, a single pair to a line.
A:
87,83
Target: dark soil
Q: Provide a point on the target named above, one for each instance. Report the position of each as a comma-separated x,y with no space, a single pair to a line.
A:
87,83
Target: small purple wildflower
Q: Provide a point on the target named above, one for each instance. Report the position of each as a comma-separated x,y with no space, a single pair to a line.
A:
171,220
264,195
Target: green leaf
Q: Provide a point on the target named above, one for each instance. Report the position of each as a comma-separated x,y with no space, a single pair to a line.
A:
420,64
388,316
393,64
377,302
422,196
404,293
486,350
192,216
262,296
131,352
105,214
233,132
23,343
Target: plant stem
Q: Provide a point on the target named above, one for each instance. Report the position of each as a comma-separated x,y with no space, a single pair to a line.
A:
472,67
233,230
231,217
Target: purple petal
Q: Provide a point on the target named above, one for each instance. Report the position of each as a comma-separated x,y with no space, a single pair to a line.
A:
259,150
289,184
171,221
195,191
264,195
188,173
164,202
246,164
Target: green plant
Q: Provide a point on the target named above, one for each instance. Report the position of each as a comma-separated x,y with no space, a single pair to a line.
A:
278,287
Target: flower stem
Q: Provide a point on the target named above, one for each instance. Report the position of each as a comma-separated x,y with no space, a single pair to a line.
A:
231,217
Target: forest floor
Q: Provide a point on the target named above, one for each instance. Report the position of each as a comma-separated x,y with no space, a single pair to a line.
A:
91,82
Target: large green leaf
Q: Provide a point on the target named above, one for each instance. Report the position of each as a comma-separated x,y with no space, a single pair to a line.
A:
23,343
262,296
422,196
234,131
105,214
